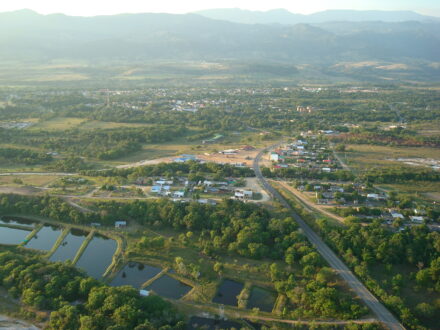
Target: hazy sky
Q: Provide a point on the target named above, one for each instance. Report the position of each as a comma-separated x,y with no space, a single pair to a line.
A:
105,7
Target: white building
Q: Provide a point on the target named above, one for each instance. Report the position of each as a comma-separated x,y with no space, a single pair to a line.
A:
156,189
396,215
243,194
373,196
120,224
274,157
416,219
179,194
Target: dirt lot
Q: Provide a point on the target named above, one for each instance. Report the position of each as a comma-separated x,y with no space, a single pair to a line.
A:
252,183
245,157
241,157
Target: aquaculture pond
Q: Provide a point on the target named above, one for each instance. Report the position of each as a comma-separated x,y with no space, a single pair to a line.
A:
70,246
168,287
17,221
12,235
135,274
262,299
97,256
227,293
45,238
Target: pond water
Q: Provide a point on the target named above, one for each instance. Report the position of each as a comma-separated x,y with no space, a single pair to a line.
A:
70,245
168,287
45,238
227,293
12,235
262,299
135,274
17,221
97,256
197,322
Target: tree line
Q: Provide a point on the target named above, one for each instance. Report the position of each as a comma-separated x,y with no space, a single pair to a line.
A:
219,171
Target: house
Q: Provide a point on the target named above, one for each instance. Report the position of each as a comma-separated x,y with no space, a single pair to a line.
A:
326,169
373,196
163,182
328,195
244,194
336,189
144,293
185,158
156,189
120,224
274,157
208,183
396,215
416,219
179,194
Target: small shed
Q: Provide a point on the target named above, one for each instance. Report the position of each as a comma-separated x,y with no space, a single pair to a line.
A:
120,224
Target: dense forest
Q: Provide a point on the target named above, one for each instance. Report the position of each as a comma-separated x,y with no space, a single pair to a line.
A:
13,156
78,301
393,137
101,144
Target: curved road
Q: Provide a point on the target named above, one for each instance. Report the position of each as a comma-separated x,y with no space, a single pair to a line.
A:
381,312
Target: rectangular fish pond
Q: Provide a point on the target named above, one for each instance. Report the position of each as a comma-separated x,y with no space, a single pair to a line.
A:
45,238
262,299
227,292
135,274
70,246
168,287
97,256
13,236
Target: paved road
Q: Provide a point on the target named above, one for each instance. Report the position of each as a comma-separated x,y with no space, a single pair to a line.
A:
332,259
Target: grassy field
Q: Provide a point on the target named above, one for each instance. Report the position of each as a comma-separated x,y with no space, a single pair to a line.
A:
30,180
61,123
95,124
363,156
423,190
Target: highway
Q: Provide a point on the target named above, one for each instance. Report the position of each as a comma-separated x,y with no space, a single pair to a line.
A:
381,312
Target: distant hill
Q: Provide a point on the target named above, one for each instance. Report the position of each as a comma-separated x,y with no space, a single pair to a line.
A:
282,16
138,38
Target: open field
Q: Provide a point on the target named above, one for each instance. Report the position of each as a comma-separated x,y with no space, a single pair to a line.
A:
96,124
30,180
156,153
61,123
362,156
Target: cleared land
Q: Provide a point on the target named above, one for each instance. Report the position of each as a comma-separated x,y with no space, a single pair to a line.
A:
363,156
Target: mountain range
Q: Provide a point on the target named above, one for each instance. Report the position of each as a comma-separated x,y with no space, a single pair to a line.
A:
28,36
282,16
